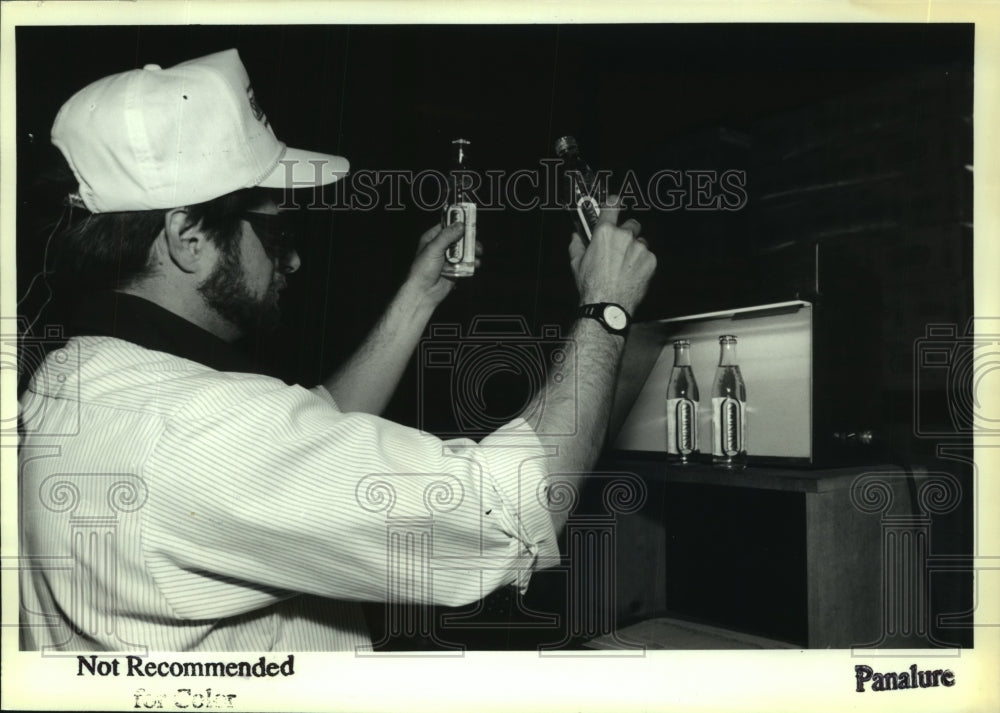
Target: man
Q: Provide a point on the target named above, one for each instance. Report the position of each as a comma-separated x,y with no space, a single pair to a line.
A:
174,500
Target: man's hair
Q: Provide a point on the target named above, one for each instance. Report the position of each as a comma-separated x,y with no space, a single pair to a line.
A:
107,251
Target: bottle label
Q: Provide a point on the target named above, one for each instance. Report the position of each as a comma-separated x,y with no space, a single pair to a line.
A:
682,426
460,258
729,426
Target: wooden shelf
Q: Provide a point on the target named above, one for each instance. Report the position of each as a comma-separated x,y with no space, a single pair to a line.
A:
755,477
793,537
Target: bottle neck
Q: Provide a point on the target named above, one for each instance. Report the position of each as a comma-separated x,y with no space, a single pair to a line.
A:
581,173
575,167
682,356
727,354
459,179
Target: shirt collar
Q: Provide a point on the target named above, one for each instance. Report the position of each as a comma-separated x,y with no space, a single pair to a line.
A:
136,320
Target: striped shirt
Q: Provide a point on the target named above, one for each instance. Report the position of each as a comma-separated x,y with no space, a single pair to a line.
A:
169,506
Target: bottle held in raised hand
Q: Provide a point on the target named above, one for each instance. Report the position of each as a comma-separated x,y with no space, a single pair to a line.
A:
460,258
682,407
586,194
729,404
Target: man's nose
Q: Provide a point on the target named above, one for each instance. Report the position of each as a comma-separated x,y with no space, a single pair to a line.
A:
290,262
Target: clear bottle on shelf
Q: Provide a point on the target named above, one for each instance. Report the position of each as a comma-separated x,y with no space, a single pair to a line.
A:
682,407
729,408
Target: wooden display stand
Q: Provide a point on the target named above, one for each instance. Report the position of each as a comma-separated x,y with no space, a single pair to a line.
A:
812,558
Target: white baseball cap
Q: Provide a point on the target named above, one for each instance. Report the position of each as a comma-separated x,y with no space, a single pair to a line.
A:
162,138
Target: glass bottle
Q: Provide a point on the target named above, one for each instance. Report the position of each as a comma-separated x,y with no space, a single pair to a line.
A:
460,258
729,403
586,191
682,407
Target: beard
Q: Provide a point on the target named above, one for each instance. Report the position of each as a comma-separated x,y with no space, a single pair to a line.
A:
226,291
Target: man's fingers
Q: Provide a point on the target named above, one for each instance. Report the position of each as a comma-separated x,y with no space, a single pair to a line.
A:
449,235
633,226
576,249
444,236
428,236
609,211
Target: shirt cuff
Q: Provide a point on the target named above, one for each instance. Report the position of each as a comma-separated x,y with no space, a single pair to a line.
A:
516,461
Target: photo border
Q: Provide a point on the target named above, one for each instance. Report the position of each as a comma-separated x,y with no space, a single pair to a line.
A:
682,680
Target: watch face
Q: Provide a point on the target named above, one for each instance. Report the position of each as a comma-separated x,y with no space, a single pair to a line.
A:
615,317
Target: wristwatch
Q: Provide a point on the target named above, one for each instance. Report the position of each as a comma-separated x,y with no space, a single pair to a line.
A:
613,317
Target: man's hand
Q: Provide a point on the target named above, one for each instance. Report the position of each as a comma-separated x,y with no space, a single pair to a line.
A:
425,277
617,265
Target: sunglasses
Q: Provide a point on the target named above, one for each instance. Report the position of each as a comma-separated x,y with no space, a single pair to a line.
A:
273,232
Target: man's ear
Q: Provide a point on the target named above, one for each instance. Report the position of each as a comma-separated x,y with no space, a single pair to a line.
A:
186,243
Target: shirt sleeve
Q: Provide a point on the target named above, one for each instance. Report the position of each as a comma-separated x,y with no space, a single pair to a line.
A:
257,484
323,393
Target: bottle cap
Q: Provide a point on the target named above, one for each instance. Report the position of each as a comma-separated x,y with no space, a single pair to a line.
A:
461,144
565,145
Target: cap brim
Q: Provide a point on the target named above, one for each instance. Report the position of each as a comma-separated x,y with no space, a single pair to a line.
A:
301,169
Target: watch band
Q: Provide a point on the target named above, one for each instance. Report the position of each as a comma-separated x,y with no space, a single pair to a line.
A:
597,310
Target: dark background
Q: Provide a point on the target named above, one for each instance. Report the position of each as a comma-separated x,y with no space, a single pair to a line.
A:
854,138
640,97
